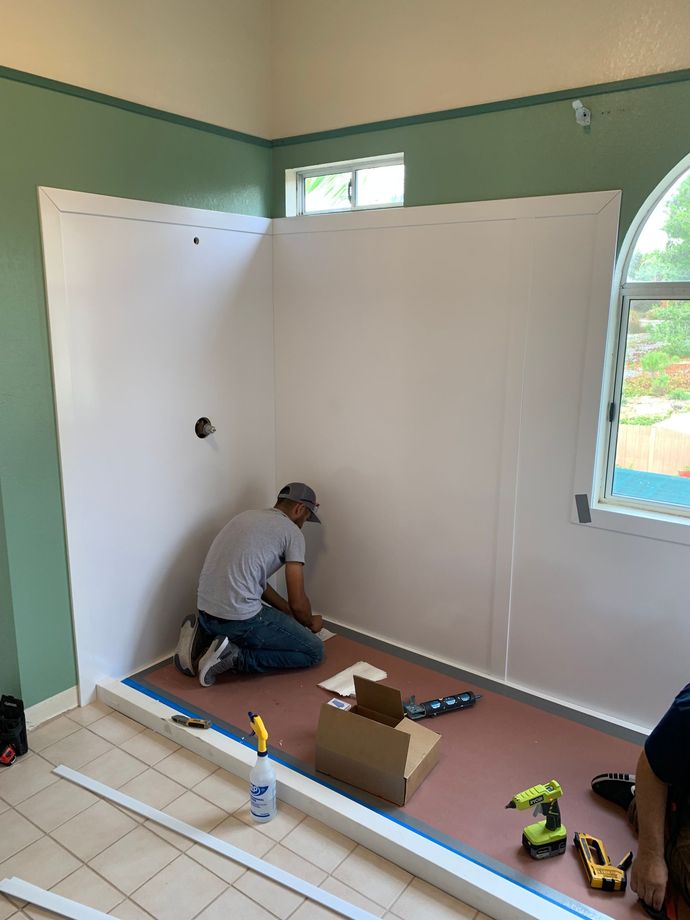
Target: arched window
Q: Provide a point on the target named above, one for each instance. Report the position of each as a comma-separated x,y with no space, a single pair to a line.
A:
648,456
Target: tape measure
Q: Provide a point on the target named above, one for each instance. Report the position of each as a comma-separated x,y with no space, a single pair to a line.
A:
8,756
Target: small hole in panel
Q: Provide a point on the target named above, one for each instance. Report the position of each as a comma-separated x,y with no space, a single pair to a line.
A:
196,240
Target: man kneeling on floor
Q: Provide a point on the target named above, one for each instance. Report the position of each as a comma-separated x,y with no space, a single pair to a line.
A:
243,624
657,799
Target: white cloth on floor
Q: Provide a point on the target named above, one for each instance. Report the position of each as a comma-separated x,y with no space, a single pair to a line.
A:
324,634
343,683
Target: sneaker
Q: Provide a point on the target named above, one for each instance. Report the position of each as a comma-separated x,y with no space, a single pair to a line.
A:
618,788
192,642
220,656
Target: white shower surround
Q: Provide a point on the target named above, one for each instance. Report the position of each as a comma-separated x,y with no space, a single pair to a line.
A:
429,373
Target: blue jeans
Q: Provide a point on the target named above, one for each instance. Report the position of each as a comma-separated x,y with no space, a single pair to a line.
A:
267,641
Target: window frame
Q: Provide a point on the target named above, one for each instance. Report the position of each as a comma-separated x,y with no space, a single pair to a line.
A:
631,291
295,181
597,388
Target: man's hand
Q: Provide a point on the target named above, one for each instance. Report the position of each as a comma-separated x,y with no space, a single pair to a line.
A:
648,878
316,623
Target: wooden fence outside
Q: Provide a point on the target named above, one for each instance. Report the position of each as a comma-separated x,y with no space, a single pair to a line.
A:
652,449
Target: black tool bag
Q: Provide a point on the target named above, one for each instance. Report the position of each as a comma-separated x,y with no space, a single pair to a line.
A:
13,724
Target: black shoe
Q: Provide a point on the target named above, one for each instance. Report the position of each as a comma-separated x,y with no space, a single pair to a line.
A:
618,788
191,644
220,656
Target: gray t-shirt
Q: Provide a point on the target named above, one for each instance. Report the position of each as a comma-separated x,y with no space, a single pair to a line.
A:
244,555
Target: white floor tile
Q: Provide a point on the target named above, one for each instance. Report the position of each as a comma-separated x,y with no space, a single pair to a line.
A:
276,898
179,891
310,910
224,789
44,863
56,804
150,747
154,789
420,899
116,728
319,844
114,768
90,889
7,908
134,859
373,876
128,910
52,731
28,775
285,859
246,838
226,869
337,888
85,715
17,833
95,829
186,768
286,820
77,749
237,905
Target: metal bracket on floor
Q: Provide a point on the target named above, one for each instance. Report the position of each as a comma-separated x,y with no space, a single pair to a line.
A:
345,908
65,907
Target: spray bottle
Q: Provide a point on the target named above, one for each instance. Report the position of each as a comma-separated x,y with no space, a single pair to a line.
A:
262,778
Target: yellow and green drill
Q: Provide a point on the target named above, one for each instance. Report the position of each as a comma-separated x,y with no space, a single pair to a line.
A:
548,837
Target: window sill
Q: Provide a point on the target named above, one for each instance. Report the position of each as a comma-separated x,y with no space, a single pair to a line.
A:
637,522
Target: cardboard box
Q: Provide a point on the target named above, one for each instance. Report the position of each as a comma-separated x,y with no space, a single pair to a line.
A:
373,746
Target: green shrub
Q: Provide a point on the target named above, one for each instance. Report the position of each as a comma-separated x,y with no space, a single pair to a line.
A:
655,361
644,419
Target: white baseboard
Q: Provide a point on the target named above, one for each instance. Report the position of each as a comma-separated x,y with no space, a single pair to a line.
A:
54,706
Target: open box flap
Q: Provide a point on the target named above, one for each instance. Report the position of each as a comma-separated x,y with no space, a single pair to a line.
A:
378,698
422,742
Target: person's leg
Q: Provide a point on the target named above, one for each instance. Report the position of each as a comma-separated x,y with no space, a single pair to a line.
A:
191,644
678,854
268,641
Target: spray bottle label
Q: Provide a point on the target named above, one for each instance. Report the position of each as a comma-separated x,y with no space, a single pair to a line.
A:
262,801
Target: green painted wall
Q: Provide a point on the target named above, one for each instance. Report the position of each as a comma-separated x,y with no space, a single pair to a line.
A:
637,135
9,666
59,140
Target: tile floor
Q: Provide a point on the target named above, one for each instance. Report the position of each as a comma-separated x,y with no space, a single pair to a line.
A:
61,837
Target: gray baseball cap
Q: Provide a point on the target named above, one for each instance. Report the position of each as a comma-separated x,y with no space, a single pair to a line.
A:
299,492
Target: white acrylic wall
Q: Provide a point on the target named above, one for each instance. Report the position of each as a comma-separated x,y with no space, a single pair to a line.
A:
149,332
429,369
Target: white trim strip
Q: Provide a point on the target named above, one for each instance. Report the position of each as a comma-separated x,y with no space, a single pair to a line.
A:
219,846
25,891
69,202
